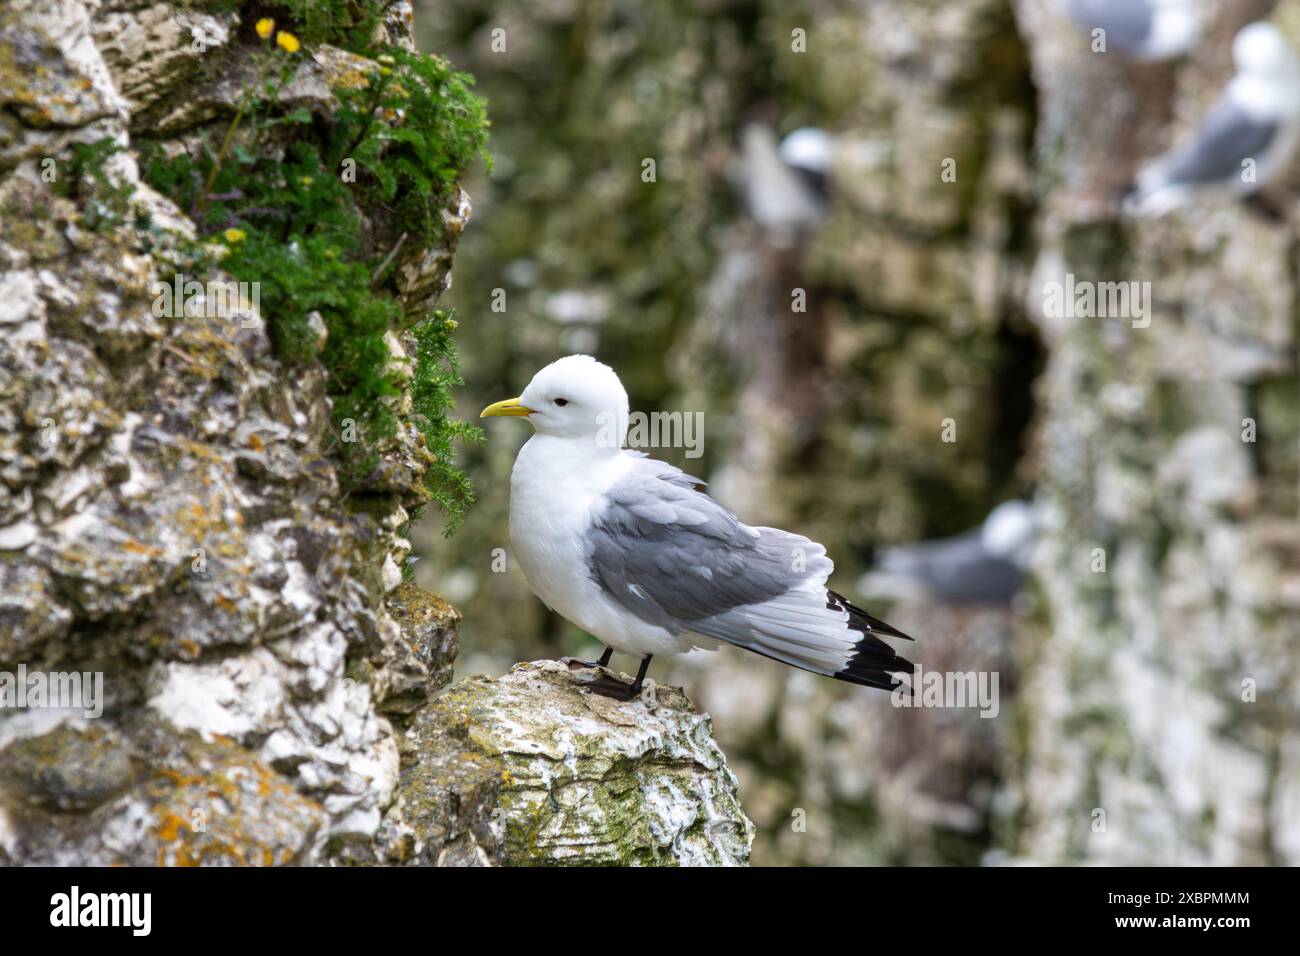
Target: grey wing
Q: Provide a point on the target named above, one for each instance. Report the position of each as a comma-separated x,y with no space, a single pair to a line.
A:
1227,136
959,569
676,558
672,555
1127,22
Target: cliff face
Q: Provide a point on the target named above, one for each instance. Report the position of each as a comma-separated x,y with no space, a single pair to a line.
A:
180,511
1160,700
171,518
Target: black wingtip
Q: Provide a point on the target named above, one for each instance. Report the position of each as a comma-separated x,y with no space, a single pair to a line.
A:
876,679
874,662
860,620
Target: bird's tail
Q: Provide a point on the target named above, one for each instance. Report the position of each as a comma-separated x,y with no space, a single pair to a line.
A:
817,630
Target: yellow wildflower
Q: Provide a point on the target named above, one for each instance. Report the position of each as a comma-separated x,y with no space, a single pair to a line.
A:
235,235
288,42
264,27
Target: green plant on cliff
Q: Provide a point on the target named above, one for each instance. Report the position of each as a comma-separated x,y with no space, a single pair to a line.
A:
405,164
345,23
282,192
436,374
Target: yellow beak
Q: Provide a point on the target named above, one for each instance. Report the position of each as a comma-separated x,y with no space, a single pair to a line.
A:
509,408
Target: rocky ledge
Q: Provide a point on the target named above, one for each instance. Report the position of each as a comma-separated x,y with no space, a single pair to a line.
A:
531,768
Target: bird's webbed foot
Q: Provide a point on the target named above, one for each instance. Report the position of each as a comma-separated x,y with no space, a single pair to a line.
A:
572,662
608,686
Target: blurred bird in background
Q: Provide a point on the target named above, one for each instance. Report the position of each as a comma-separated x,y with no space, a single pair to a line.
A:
1140,29
808,151
983,566
1247,138
785,185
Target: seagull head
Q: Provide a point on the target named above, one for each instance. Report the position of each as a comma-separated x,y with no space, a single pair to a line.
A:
808,148
1260,50
574,397
1010,530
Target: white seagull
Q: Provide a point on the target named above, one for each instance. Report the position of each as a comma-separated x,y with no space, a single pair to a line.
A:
1140,29
785,185
627,549
1247,138
984,566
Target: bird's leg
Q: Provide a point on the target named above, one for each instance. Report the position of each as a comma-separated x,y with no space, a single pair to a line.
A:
603,662
615,688
640,676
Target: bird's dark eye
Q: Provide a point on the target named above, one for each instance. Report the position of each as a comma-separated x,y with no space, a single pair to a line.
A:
561,402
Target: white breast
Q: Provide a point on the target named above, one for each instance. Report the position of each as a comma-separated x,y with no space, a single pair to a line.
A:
552,503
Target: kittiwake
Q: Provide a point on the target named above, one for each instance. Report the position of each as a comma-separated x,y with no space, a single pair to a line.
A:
629,550
1247,138
785,184
984,566
1140,29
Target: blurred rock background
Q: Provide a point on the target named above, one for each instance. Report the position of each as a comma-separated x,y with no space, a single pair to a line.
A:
1148,711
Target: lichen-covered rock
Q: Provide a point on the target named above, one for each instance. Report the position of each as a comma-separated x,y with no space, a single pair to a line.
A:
419,663
148,796
171,511
531,769
178,40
